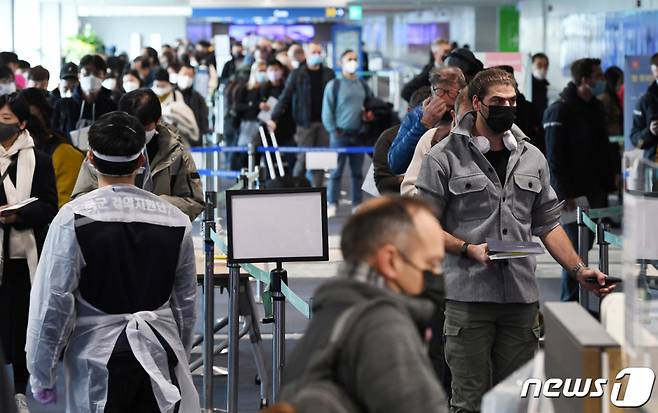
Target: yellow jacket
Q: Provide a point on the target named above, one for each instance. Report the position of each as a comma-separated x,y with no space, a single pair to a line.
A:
67,161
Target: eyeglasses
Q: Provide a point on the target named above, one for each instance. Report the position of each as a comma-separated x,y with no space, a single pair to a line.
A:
450,93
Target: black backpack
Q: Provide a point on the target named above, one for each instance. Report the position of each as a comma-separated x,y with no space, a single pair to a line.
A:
385,116
317,389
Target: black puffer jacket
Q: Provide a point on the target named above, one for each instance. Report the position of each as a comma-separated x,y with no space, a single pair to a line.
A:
577,148
646,111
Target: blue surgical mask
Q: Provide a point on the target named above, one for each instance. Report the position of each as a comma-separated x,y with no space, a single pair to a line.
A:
261,77
598,88
315,59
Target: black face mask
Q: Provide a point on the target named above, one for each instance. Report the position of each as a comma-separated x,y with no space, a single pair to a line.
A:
433,288
7,131
500,118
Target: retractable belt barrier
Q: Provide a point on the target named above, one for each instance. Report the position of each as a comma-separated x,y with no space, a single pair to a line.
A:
263,276
284,149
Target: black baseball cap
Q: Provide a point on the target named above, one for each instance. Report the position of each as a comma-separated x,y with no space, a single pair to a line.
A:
69,71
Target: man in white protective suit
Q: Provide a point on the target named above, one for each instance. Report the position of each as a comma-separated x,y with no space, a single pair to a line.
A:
116,286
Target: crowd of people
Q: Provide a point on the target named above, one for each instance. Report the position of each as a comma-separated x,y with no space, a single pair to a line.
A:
105,188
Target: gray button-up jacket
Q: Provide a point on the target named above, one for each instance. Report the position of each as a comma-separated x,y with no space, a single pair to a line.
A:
474,205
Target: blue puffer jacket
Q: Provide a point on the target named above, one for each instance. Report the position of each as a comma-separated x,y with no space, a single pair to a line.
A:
404,144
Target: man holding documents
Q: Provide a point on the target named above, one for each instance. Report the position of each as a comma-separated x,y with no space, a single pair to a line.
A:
488,181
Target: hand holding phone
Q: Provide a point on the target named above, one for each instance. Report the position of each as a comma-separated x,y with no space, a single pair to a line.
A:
608,281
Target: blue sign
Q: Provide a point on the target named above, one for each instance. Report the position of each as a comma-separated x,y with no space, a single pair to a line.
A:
637,78
264,15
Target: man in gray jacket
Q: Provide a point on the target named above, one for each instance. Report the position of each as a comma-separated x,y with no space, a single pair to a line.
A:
390,247
170,172
487,181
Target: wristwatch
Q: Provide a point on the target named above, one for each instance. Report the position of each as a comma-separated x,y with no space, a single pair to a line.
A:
577,268
463,250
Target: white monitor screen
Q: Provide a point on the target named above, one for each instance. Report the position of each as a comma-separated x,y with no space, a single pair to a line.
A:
277,225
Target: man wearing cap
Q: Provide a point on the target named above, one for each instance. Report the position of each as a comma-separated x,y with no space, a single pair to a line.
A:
90,101
68,81
115,288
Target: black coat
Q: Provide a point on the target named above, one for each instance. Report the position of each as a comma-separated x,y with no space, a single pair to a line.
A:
540,95
420,80
37,215
285,128
577,147
296,95
529,122
645,111
67,110
387,182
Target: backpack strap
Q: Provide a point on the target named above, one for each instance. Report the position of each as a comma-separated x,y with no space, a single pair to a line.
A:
350,317
335,87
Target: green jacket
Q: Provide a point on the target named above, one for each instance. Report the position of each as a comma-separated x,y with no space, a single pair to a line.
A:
173,172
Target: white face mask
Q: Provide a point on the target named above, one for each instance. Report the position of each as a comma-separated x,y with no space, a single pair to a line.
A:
7,88
173,78
273,75
185,82
161,91
130,86
295,64
149,135
351,66
90,84
110,83
539,73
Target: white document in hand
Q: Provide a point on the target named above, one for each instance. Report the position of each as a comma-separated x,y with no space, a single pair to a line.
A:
266,115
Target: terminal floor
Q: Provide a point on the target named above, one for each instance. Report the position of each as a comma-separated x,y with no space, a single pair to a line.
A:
304,279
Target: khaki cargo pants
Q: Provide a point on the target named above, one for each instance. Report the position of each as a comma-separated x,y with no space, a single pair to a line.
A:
485,343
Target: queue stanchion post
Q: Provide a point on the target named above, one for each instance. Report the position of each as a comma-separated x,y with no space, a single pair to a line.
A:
233,338
277,276
583,251
251,158
208,301
604,256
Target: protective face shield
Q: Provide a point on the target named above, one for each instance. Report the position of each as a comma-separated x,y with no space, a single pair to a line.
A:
185,82
110,83
130,85
8,131
500,118
351,66
90,84
7,88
